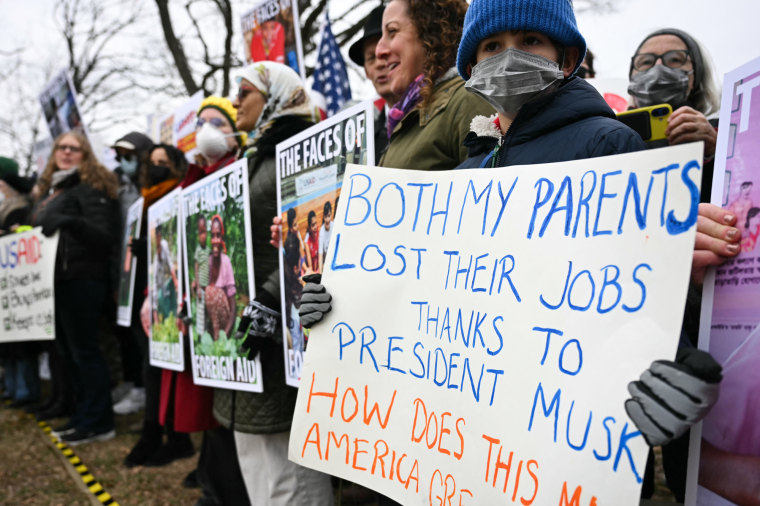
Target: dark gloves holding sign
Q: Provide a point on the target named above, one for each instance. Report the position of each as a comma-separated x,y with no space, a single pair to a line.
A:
315,301
672,396
258,325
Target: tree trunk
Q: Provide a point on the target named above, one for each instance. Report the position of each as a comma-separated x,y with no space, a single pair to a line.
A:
175,47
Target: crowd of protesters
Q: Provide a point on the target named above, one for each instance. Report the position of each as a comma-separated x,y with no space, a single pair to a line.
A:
493,84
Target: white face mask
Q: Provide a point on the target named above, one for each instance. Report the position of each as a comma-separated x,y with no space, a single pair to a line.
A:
129,165
211,142
511,78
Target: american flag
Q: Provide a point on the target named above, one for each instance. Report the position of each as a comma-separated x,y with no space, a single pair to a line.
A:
330,76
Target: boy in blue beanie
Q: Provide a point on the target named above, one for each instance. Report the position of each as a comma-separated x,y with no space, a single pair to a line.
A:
521,56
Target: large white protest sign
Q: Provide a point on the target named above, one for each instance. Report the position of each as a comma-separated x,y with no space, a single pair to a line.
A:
486,323
27,265
310,169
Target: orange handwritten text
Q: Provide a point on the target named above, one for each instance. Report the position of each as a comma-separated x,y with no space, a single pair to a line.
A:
498,464
349,405
434,431
357,453
576,499
448,487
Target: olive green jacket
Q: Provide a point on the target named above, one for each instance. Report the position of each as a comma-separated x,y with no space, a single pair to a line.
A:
431,138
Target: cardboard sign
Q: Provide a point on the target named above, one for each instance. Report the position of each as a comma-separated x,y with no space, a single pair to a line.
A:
271,33
27,267
59,106
727,445
128,264
164,286
216,229
486,323
310,168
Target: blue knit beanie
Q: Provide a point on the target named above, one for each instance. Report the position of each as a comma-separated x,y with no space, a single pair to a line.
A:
553,18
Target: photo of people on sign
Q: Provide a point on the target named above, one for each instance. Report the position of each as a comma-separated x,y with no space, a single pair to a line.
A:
128,264
729,446
59,106
216,230
310,168
271,33
485,326
165,290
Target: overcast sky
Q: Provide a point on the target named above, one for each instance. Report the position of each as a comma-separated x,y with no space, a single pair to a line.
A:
727,28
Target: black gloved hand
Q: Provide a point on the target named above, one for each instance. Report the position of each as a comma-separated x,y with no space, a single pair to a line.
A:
258,325
58,221
672,396
315,301
139,247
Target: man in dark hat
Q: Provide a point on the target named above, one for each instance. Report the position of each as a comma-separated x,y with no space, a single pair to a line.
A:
362,52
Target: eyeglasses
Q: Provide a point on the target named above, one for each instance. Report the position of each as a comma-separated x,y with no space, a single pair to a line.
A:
217,122
243,92
674,59
68,147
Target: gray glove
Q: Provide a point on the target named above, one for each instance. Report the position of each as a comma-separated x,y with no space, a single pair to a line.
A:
672,396
315,301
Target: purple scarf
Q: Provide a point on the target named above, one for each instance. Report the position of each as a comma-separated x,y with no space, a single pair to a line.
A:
410,99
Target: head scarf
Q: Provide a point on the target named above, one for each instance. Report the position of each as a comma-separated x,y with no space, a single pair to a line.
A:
284,93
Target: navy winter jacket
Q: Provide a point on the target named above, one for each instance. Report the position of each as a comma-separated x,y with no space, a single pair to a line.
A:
572,123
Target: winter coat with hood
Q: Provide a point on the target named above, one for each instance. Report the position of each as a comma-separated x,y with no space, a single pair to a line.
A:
572,123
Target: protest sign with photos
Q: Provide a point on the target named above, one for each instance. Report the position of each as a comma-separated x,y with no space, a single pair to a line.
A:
310,168
726,447
27,266
164,287
271,33
485,325
128,264
216,227
59,106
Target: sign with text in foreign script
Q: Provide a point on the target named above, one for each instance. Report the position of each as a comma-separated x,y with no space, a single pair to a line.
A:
486,323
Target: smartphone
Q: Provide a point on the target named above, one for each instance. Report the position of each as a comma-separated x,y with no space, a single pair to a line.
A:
650,122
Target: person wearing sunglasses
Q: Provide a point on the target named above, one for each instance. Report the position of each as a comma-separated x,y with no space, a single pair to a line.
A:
272,105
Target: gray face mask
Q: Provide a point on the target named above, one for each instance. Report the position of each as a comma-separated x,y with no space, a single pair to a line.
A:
660,85
513,77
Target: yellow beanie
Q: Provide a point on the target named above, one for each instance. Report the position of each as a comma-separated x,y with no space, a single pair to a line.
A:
224,105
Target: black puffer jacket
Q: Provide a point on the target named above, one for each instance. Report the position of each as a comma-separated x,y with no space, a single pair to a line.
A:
272,410
87,241
572,123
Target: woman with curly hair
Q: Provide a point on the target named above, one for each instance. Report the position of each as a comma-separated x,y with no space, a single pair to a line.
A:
78,199
427,126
